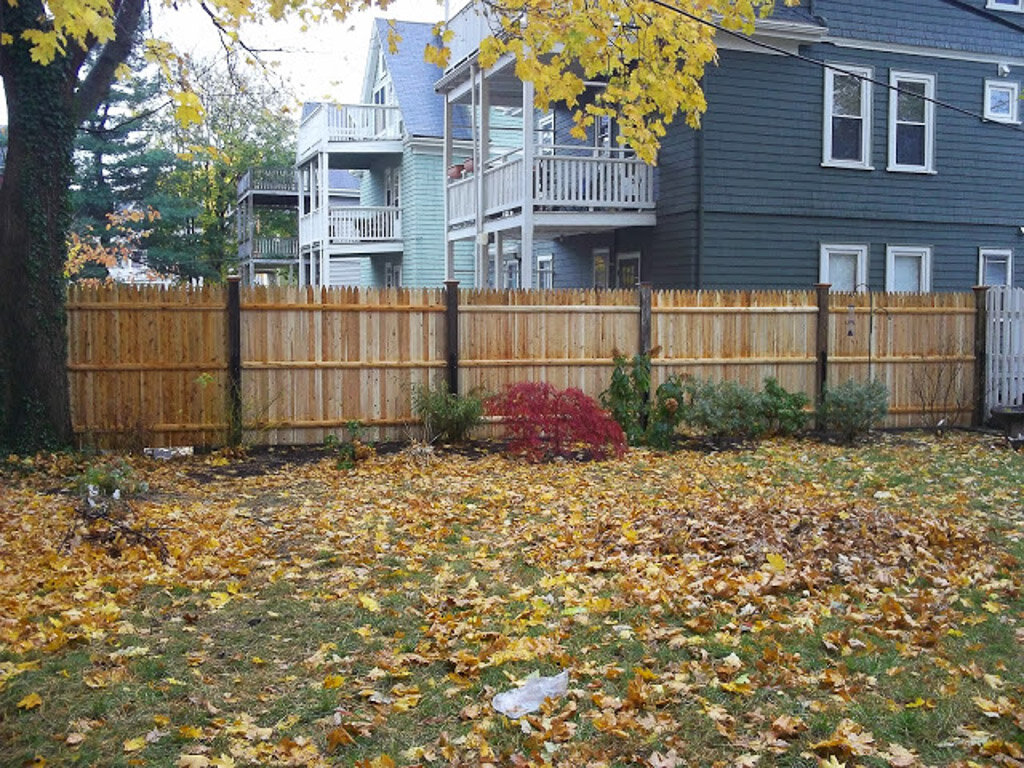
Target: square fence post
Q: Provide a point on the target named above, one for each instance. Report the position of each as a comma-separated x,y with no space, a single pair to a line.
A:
980,355
234,317
821,343
451,290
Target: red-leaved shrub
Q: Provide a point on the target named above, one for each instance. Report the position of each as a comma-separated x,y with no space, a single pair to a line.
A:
544,422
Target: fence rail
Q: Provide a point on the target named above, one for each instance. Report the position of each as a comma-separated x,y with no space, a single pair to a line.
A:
152,367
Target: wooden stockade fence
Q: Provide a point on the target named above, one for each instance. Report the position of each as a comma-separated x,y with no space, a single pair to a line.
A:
280,365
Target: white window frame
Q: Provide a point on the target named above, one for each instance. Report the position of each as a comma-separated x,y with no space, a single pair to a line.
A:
864,74
895,78
860,249
923,252
546,133
1000,253
545,270
1015,6
1008,85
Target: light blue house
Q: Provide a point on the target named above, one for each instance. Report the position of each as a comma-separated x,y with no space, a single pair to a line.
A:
864,143
393,141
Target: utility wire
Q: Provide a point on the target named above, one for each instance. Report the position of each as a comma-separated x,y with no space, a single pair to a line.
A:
823,65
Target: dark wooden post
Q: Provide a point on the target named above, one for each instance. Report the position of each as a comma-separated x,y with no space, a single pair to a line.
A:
980,353
234,361
645,318
821,343
451,290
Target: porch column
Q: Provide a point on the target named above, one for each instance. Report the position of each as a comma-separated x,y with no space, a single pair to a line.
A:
499,259
303,176
526,246
325,212
446,163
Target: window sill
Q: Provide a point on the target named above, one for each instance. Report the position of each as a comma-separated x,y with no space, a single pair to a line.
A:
1002,120
912,170
847,166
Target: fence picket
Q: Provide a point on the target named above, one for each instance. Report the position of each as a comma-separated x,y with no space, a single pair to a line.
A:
150,365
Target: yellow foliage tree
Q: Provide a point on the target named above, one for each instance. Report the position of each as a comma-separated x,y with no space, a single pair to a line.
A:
59,57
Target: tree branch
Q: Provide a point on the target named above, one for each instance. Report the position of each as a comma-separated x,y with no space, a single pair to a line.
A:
94,88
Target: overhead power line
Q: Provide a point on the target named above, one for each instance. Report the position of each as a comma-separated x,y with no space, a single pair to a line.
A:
824,65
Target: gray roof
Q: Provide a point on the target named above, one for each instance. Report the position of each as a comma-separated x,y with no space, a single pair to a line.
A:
964,26
414,78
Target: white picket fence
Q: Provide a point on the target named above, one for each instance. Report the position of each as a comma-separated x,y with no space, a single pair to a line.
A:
1004,373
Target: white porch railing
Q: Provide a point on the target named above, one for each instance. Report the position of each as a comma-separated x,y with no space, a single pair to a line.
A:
571,178
351,122
469,28
364,224
462,200
503,185
587,178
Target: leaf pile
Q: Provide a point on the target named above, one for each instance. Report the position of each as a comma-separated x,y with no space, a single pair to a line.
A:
793,605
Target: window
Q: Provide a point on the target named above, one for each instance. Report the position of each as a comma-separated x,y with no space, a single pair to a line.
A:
1006,5
546,133
628,269
392,187
392,275
995,266
911,122
845,267
601,258
847,139
1001,97
908,269
545,271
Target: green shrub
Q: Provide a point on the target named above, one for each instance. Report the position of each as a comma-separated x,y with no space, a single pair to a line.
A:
350,451
783,412
115,478
626,398
853,408
669,411
446,416
724,410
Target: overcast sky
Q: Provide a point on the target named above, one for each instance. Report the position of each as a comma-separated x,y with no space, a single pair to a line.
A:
323,63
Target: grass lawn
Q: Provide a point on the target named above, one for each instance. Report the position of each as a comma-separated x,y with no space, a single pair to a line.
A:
794,604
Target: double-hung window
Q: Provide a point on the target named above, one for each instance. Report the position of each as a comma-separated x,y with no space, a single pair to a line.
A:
847,129
995,266
911,122
844,266
1001,99
908,269
545,270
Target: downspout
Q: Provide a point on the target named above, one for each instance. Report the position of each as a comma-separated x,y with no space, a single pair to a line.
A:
698,257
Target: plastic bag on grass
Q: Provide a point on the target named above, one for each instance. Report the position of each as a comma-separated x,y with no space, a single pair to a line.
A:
531,694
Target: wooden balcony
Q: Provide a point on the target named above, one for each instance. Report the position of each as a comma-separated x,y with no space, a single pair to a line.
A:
353,128
353,230
278,249
280,180
563,182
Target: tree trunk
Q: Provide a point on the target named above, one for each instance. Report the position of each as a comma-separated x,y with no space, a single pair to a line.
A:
34,220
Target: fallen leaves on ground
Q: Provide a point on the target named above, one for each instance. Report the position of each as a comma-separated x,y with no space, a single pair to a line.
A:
797,604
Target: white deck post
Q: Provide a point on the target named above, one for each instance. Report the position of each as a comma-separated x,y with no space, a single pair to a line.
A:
529,151
446,163
325,212
499,259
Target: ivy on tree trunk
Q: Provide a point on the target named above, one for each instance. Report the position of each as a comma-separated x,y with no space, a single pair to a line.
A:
45,105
